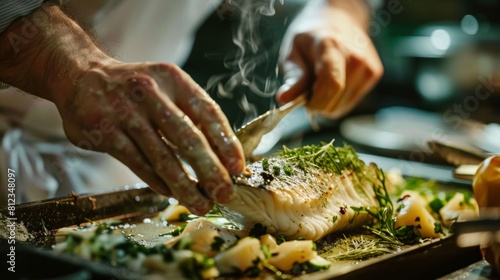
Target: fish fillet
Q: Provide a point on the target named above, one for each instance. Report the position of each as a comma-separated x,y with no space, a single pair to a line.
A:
306,192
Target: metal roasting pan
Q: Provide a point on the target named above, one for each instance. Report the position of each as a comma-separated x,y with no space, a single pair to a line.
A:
43,218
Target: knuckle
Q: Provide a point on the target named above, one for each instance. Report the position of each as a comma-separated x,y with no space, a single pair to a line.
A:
212,109
302,37
332,85
135,127
326,43
119,147
166,69
141,80
377,71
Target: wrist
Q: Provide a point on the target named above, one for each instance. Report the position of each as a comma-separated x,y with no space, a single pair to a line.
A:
356,9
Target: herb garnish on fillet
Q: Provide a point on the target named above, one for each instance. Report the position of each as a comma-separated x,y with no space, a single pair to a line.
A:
297,192
326,157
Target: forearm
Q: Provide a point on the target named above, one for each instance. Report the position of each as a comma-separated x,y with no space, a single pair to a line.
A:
316,11
45,52
356,8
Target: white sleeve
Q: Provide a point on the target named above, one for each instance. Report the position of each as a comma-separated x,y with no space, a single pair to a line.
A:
10,10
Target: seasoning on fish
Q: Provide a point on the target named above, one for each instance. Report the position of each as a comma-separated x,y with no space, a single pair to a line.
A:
306,192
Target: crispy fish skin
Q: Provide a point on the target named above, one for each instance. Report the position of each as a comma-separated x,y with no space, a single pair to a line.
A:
302,203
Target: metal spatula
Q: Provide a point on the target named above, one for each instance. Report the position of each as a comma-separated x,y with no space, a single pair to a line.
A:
251,133
465,158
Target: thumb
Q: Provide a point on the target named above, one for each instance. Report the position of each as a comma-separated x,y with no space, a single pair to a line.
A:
296,81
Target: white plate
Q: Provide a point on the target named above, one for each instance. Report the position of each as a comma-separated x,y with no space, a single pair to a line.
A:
399,128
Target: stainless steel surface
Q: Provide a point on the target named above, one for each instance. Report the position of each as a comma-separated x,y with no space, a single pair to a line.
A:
424,261
433,259
465,158
251,133
457,154
43,217
465,171
481,231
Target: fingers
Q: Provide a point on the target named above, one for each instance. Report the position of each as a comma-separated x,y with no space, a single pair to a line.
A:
166,165
357,87
190,98
208,116
122,148
194,148
362,77
297,78
339,82
336,73
330,80
125,105
319,68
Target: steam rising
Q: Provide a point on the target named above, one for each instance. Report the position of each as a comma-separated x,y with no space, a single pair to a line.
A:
249,54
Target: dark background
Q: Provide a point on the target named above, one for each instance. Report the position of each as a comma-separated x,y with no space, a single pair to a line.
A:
414,76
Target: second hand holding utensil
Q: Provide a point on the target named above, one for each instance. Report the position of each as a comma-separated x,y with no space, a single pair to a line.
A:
251,134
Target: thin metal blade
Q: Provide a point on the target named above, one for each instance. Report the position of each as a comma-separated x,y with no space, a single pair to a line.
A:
43,217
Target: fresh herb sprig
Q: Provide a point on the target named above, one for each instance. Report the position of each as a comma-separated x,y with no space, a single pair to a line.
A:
325,156
356,247
384,215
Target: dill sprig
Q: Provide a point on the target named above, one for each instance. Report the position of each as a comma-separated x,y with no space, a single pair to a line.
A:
326,157
356,247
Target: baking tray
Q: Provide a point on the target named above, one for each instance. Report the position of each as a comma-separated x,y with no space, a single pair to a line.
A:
41,219
426,261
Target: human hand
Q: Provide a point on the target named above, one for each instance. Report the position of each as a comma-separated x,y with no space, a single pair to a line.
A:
120,108
330,56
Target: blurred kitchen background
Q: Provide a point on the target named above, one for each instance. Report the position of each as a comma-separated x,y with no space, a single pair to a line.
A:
441,81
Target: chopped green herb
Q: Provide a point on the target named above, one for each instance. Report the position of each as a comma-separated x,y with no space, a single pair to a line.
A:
217,244
276,170
253,271
166,253
258,230
215,211
325,156
266,251
436,204
193,267
72,241
280,239
408,234
184,217
334,218
175,232
438,228
306,267
265,164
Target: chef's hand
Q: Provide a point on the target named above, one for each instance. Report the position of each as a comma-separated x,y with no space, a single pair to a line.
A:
122,108
328,53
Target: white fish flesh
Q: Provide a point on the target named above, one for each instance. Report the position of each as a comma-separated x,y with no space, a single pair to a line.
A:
306,192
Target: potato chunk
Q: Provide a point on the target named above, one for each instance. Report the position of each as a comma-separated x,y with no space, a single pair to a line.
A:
413,212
